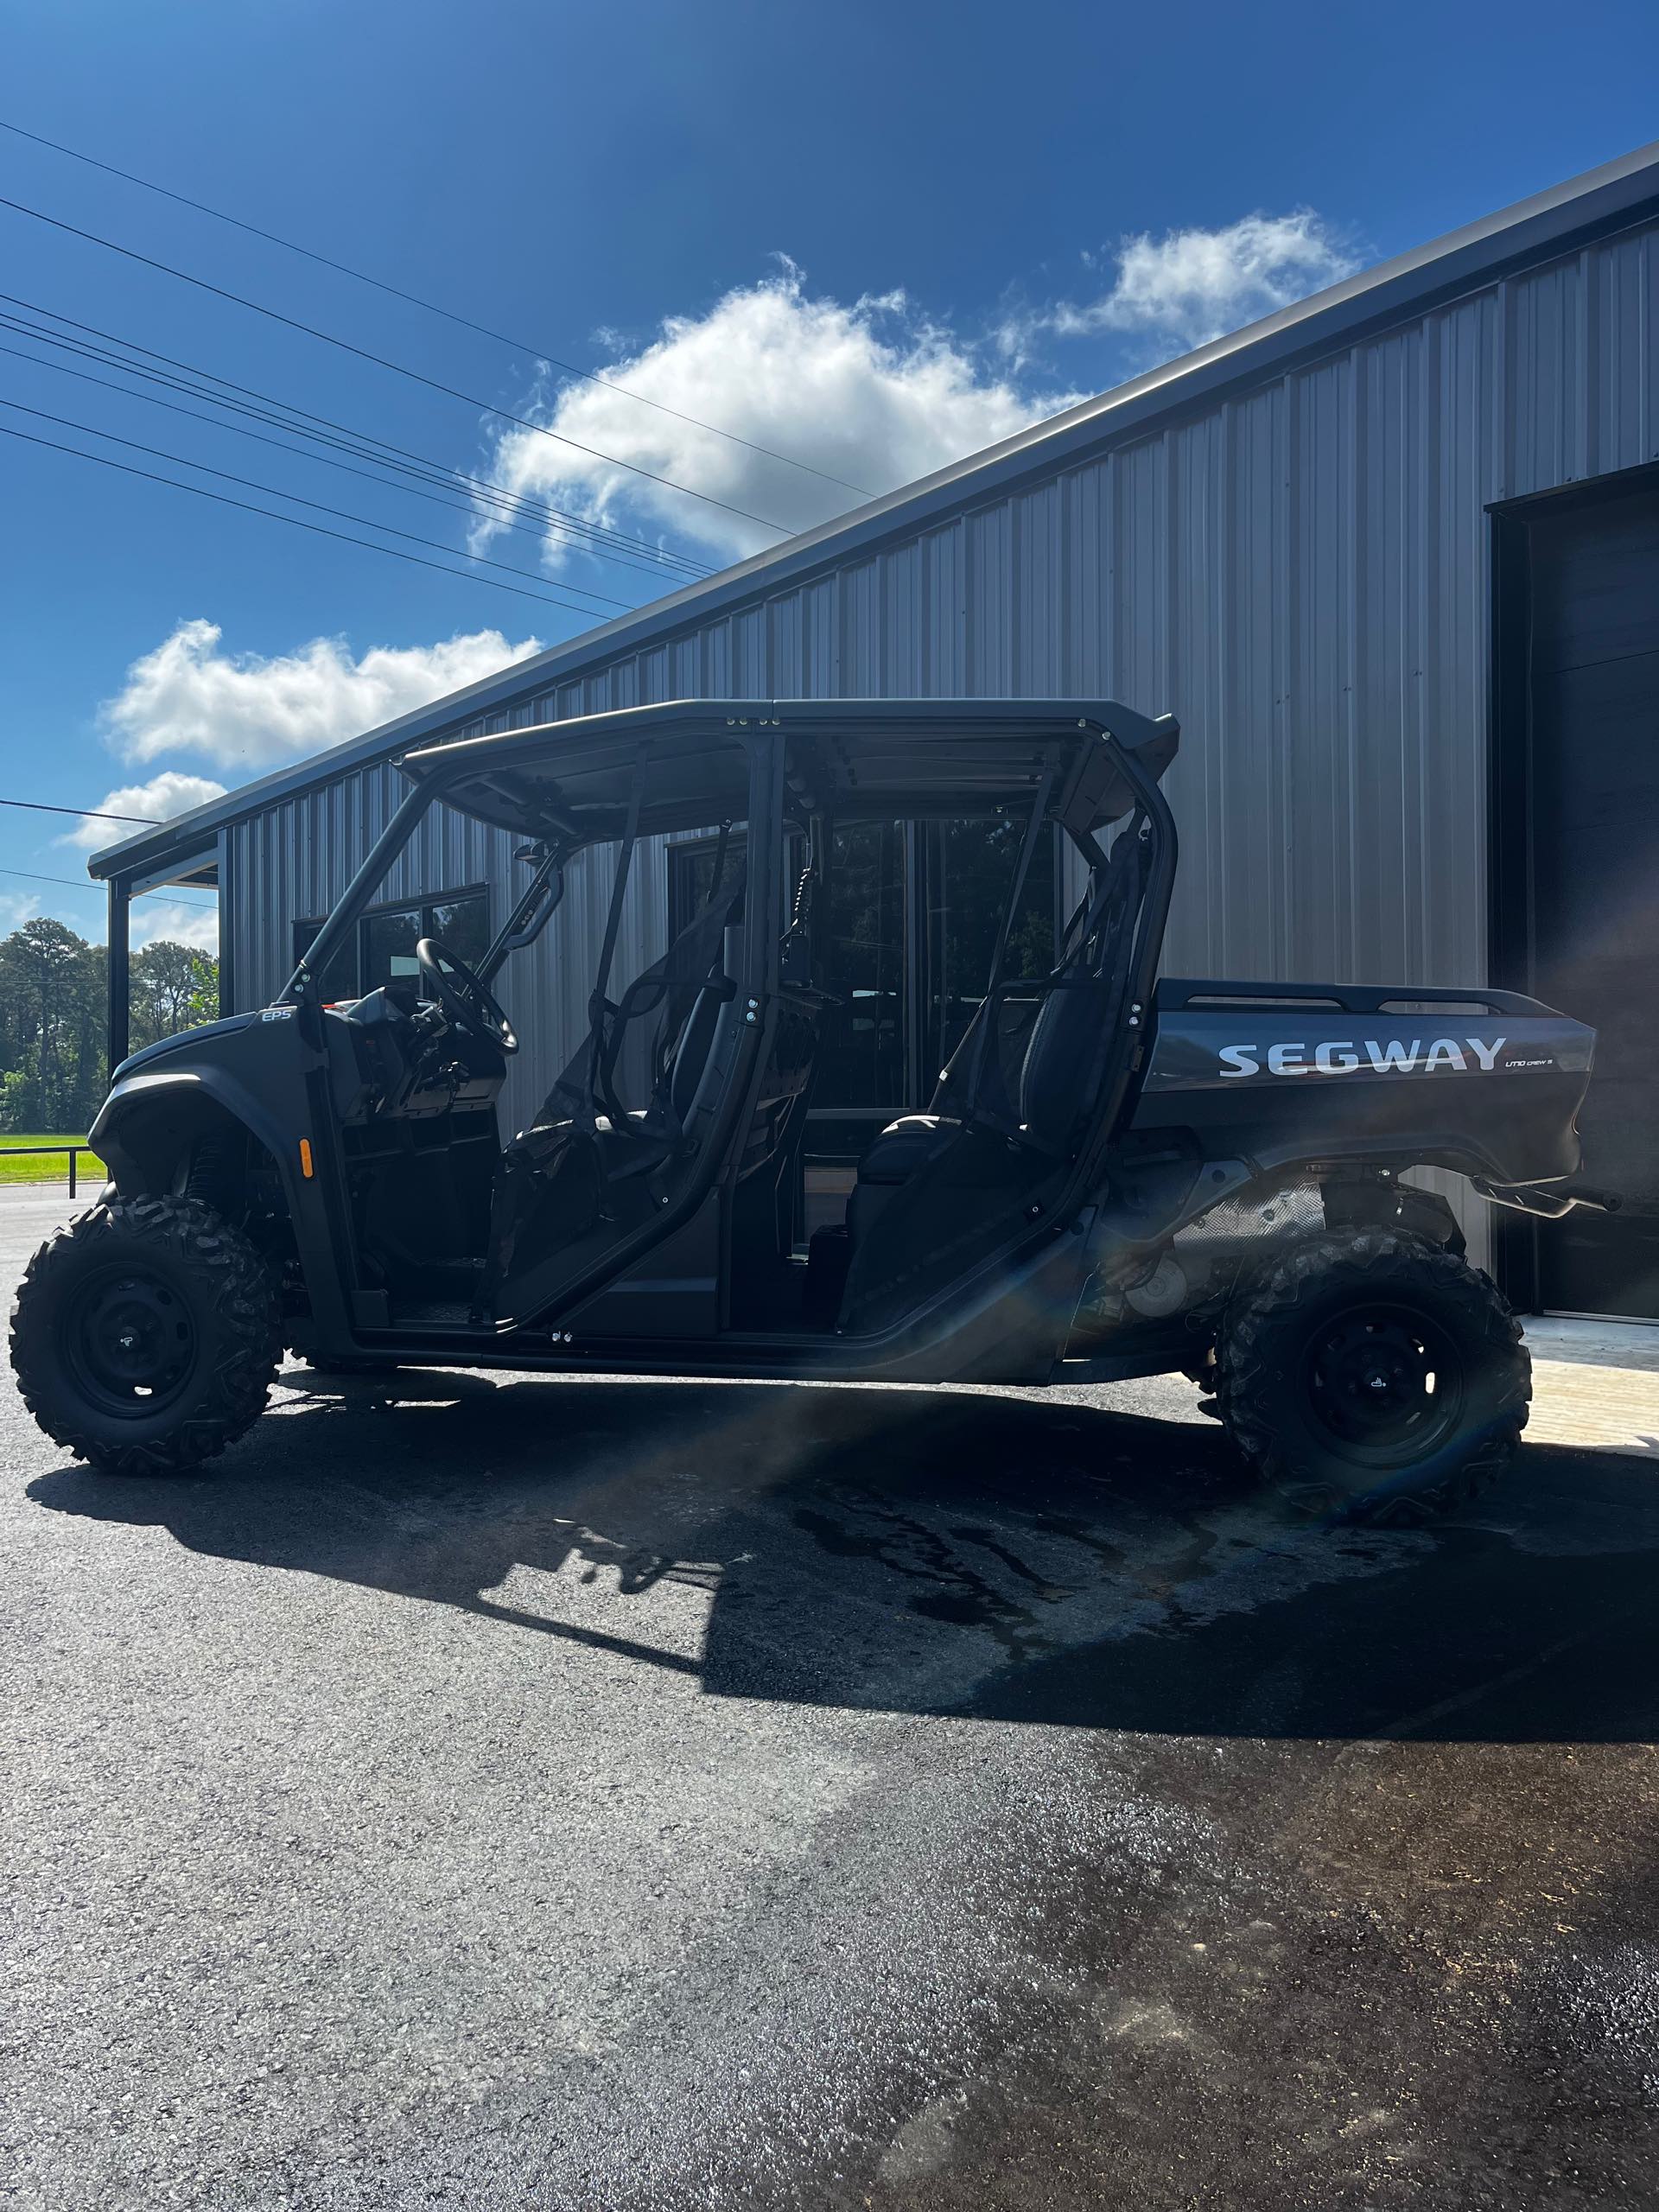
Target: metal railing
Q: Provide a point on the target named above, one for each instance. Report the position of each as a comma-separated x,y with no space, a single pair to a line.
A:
23,1151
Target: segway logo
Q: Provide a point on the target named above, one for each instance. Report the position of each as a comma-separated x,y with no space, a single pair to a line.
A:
1342,1056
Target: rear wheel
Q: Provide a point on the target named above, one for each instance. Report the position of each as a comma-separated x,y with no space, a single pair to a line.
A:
1374,1377
145,1335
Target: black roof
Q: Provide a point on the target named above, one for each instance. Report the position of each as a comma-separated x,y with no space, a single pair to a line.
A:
885,758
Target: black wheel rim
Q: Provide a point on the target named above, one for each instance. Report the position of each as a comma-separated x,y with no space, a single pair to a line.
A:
130,1342
1385,1383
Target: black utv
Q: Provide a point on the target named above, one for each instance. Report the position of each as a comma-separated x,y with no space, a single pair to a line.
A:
1115,1175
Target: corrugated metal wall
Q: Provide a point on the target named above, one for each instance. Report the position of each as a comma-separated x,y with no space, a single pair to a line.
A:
1299,574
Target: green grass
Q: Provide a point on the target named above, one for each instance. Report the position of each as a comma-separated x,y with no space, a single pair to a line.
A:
45,1166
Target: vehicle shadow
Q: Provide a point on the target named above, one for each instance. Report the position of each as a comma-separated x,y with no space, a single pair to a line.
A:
941,1552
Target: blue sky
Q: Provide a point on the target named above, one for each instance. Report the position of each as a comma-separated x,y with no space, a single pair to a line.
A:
869,237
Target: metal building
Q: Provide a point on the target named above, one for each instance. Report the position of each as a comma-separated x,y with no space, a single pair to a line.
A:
1392,556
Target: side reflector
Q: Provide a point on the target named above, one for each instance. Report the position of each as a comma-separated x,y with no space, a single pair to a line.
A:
306,1168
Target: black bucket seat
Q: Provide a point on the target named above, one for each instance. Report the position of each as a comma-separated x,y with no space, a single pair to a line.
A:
1067,1045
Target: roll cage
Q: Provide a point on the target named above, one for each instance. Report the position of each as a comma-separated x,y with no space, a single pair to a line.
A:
685,1149
566,784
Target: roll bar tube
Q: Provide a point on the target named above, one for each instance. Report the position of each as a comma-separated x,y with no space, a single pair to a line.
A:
1160,884
406,818
531,916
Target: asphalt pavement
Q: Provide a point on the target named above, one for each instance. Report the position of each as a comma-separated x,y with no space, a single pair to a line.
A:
486,1793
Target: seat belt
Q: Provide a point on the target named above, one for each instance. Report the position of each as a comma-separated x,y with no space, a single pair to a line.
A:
599,1007
1022,869
676,1010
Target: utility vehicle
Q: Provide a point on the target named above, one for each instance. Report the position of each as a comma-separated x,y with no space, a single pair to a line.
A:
1115,1175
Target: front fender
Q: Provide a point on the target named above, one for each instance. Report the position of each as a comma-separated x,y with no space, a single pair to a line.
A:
149,1118
165,1098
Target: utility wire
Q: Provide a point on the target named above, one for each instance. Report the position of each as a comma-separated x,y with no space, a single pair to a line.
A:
383,361
601,532
319,506
197,381
87,813
70,881
487,503
317,529
414,299
280,445
601,535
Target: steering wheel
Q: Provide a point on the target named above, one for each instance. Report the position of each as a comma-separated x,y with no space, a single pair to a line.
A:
462,997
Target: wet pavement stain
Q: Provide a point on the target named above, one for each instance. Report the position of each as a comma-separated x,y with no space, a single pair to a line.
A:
1051,1592
961,1597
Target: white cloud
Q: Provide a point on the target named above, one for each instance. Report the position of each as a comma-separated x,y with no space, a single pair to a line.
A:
868,392
245,711
17,907
170,793
1191,286
181,921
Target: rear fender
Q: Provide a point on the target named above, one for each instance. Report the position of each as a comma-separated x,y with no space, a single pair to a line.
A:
1357,1202
1175,1236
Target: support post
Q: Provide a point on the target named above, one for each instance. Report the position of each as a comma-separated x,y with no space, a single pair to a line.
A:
120,981
226,973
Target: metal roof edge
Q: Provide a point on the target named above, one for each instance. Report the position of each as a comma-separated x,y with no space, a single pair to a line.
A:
1605,198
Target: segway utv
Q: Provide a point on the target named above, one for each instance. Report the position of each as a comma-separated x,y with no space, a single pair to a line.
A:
1113,1176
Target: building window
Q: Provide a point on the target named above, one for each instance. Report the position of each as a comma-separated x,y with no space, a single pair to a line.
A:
383,949
691,877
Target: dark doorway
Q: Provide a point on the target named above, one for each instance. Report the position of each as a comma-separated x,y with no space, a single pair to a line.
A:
864,927
968,869
1578,724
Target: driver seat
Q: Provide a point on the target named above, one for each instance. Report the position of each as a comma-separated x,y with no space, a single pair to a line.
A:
635,1140
692,987
674,1098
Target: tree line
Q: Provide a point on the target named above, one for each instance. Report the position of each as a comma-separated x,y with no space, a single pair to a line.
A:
54,1012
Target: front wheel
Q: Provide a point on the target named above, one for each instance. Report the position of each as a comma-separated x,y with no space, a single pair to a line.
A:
1374,1377
145,1335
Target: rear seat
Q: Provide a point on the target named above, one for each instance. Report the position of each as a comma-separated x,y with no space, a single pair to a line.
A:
902,1147
1057,1077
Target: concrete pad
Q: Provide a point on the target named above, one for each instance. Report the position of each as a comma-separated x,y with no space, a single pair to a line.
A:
1595,1385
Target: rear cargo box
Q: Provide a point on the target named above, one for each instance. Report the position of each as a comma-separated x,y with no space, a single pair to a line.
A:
1485,1082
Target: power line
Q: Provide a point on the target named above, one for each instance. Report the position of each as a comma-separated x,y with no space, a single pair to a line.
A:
487,502
70,882
601,532
317,529
275,491
599,536
87,813
279,445
414,299
382,361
